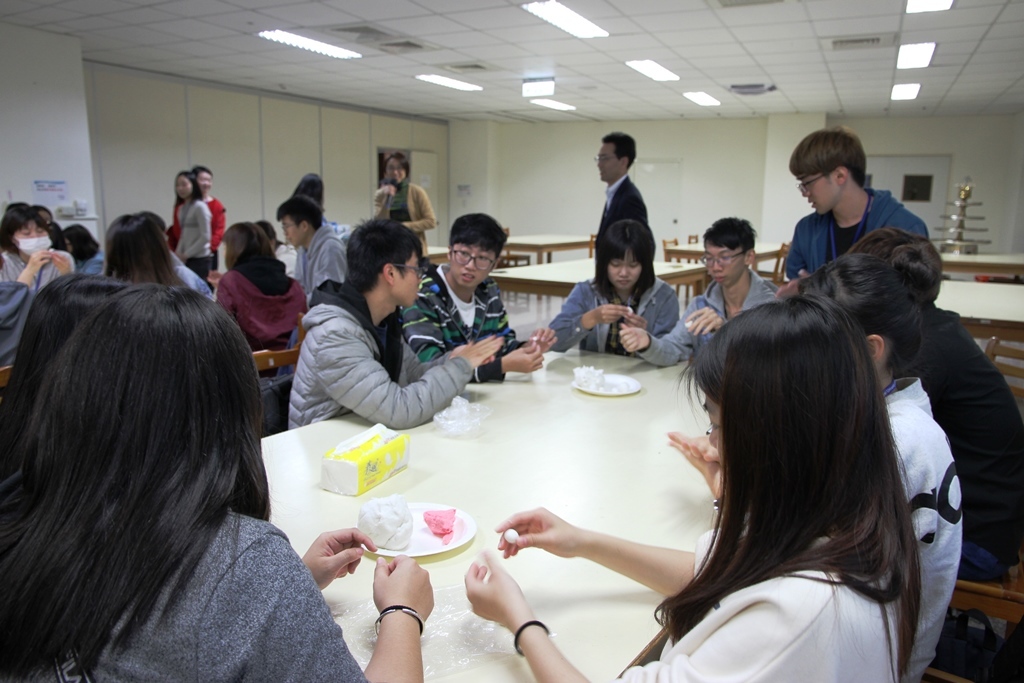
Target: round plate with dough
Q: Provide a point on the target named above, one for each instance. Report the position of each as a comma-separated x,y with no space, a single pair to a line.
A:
425,543
614,385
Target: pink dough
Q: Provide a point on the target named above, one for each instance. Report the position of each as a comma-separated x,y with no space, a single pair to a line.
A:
441,523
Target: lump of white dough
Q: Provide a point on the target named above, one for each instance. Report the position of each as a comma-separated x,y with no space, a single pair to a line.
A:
387,521
588,377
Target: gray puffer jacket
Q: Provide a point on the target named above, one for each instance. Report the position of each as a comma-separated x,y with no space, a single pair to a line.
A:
343,367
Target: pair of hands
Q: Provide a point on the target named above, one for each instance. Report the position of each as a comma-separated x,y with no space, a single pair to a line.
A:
401,581
610,313
529,357
39,259
480,352
700,322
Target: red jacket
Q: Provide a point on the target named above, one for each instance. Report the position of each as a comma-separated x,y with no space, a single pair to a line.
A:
266,320
218,222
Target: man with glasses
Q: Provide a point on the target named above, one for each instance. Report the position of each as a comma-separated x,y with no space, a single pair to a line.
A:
735,287
354,358
459,303
622,198
829,166
321,253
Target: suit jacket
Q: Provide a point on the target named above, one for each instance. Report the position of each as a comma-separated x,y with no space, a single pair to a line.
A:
626,203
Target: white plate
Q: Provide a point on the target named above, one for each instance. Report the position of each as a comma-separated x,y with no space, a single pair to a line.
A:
425,543
614,385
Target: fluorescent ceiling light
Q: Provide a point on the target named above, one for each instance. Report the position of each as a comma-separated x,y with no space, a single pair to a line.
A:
538,87
701,98
905,91
554,104
653,70
915,6
309,44
915,56
448,82
564,18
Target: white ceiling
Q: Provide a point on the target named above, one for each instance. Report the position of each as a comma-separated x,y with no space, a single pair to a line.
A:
978,67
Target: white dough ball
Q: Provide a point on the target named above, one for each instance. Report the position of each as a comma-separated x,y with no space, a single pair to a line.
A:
511,536
388,521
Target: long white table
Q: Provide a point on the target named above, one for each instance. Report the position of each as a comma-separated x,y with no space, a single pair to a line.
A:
558,279
991,264
986,309
540,245
602,463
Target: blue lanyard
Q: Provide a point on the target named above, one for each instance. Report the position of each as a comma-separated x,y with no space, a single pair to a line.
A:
857,235
39,279
889,389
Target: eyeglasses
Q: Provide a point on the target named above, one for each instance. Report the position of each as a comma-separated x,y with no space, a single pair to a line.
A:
464,257
601,158
805,185
709,260
419,270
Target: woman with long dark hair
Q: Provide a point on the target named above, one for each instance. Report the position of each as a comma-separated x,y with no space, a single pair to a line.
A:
873,293
54,314
134,543
137,252
973,404
810,572
256,292
624,290
195,219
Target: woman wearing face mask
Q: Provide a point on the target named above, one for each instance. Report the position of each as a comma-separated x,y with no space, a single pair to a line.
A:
401,201
28,253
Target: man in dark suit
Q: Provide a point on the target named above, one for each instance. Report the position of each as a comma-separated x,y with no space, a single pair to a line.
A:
623,200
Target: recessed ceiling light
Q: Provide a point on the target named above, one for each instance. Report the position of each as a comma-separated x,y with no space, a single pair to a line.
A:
915,56
915,6
554,104
701,98
309,44
653,70
905,91
564,18
538,87
447,82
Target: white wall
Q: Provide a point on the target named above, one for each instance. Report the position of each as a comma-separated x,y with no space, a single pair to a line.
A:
145,128
783,204
44,133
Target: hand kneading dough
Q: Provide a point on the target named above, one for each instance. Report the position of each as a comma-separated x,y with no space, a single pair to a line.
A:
387,521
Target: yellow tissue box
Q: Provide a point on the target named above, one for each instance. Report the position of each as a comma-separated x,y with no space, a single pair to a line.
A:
356,465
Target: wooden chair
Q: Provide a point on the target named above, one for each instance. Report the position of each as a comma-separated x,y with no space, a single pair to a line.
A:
593,241
668,244
268,360
999,599
5,375
1000,354
936,676
693,239
778,273
510,260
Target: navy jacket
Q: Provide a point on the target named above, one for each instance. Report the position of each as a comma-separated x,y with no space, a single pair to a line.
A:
626,203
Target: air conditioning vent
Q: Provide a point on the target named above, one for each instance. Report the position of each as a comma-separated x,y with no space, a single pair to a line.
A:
743,3
752,88
365,34
468,67
372,36
399,47
840,43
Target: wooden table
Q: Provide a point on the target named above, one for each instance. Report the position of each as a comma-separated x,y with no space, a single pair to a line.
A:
763,250
437,255
990,264
986,309
546,244
558,279
602,463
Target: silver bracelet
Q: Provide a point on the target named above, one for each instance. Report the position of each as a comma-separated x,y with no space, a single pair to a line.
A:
397,608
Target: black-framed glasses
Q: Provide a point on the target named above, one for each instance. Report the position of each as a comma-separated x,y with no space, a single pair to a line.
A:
464,257
805,185
419,270
724,260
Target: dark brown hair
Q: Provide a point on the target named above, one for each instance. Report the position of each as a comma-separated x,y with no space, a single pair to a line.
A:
813,482
913,256
137,251
242,241
825,150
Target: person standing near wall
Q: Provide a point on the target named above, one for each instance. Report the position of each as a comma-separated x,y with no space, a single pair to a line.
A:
622,198
401,201
195,219
218,215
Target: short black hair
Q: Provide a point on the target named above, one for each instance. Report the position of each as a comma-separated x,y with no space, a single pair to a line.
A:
196,170
312,186
376,243
478,230
83,245
625,145
622,237
731,233
301,208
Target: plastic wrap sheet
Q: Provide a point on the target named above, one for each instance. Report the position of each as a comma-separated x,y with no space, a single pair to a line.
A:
461,418
454,639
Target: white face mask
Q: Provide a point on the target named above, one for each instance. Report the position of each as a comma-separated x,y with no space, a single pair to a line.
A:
30,245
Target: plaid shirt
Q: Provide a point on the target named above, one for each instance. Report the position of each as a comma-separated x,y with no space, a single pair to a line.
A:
433,326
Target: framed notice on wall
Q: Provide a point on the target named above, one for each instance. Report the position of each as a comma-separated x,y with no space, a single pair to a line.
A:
50,192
